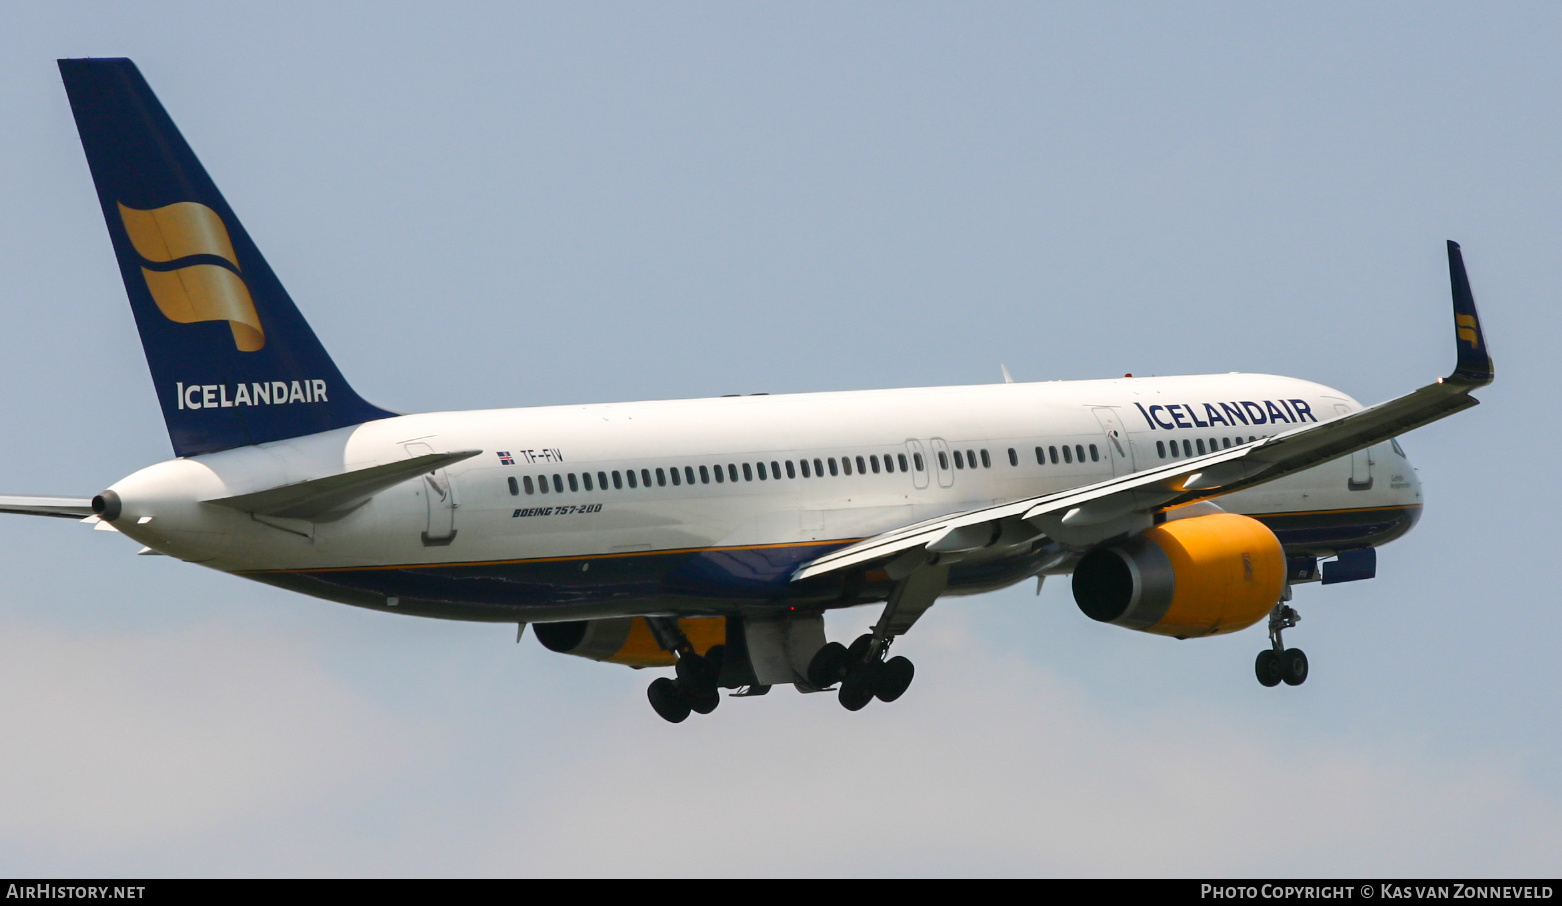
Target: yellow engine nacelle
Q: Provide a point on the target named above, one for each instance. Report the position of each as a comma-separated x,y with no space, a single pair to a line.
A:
627,640
1203,575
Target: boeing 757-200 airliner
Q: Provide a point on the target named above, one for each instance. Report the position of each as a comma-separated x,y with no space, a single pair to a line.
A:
711,535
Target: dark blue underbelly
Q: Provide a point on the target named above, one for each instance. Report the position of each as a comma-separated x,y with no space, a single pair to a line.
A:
719,578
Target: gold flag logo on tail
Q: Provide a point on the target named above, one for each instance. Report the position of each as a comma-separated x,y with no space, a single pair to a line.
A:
1465,328
198,291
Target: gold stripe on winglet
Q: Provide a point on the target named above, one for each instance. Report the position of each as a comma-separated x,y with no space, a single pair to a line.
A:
1466,329
208,292
177,231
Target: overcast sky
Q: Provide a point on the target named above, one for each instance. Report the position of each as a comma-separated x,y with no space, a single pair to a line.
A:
514,204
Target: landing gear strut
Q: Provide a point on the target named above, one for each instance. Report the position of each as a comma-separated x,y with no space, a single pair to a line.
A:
1277,663
695,689
865,671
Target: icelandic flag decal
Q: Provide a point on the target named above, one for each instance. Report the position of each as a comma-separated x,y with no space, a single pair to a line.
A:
506,459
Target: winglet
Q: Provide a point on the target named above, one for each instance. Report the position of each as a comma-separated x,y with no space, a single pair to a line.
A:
1475,365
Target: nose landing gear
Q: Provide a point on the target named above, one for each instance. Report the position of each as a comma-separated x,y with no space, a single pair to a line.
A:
1277,663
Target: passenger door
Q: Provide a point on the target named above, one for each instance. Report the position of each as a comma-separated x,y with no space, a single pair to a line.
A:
1360,462
919,464
1118,451
941,464
440,496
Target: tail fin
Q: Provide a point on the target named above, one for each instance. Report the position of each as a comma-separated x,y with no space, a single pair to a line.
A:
233,361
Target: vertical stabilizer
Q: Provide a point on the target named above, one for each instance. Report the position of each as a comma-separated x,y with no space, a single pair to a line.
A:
233,361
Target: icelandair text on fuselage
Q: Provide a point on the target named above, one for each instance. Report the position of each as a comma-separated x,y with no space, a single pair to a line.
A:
72,892
1374,891
258,393
1241,412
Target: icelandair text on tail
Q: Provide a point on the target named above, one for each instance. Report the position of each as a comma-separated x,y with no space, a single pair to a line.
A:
258,393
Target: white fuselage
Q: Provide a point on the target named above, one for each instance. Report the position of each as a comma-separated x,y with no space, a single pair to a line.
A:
488,520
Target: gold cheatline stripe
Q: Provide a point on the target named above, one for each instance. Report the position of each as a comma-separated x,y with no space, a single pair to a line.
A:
699,550
1363,509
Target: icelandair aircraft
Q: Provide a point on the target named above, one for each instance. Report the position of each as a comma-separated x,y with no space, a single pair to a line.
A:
712,535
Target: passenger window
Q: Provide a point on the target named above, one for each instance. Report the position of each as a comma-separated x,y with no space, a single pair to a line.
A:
704,476
874,462
661,478
585,478
618,480
1201,446
846,464
959,460
917,457
789,471
515,487
1226,442
804,463
1160,448
1095,455
677,479
775,469
573,486
748,472
558,483
1079,452
1067,456
645,477
630,474
832,467
721,474
542,482
943,461
527,481
970,457
688,472
860,469
819,468
1053,452
1014,458
602,480
1187,447
732,472
1041,457
987,461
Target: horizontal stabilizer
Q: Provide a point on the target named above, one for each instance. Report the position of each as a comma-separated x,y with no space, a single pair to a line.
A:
60,507
335,495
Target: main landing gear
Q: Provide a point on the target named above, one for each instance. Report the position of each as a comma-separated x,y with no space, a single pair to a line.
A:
1277,663
696,687
862,671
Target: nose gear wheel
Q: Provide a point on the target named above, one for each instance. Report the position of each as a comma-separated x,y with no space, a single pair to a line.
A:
1277,663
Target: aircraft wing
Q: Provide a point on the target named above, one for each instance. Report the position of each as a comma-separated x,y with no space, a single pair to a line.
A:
1201,477
334,495
60,507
